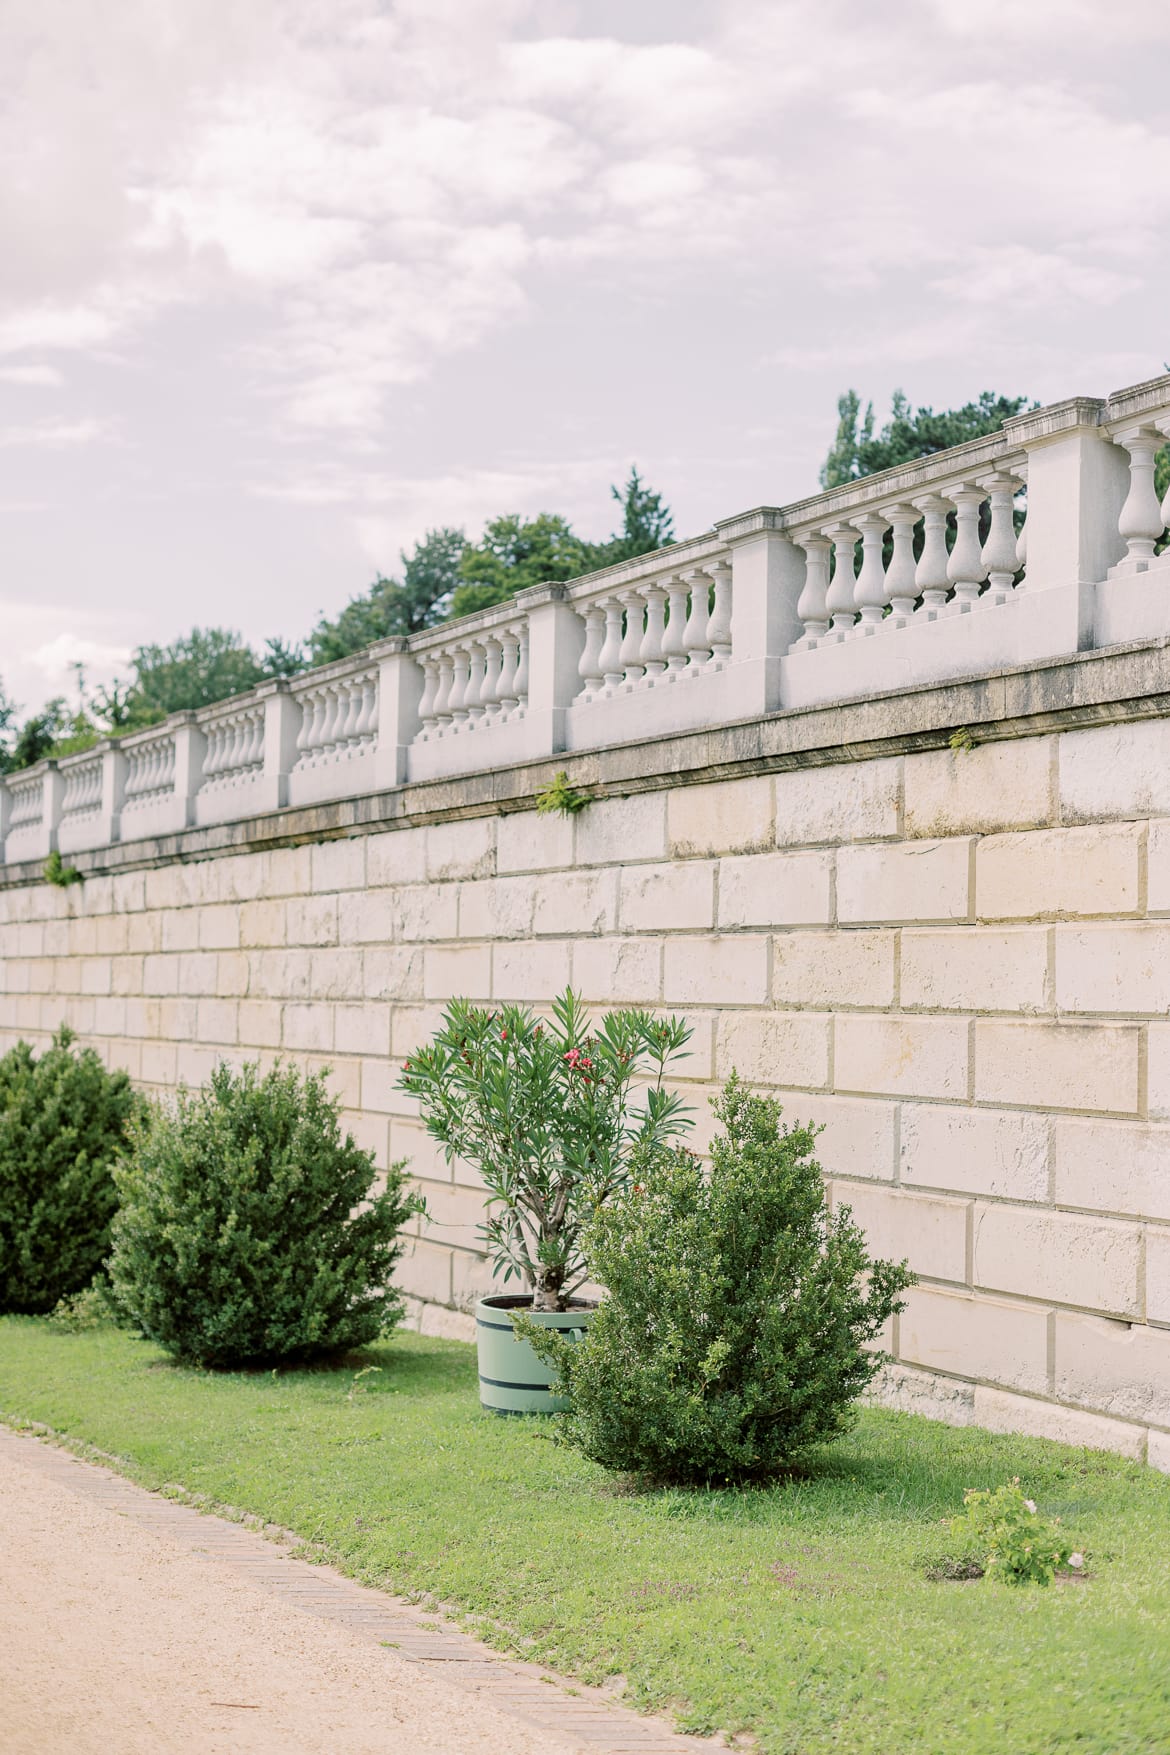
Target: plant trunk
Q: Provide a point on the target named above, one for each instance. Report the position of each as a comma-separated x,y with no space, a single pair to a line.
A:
548,1293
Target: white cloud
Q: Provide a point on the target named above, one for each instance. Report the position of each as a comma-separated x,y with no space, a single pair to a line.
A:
55,434
35,377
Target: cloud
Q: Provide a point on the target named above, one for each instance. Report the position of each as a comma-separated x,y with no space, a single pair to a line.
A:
56,434
35,377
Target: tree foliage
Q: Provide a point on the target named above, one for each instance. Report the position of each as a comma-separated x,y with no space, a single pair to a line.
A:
422,597
739,1311
64,1123
858,450
248,1230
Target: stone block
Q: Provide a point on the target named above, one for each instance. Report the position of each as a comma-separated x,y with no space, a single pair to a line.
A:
279,975
1119,1368
1057,1066
846,801
422,912
917,881
1115,771
901,1057
198,972
576,903
96,975
920,1392
1158,1274
112,934
381,1093
668,898
621,831
972,1335
496,908
1057,873
425,1272
338,865
1158,1451
159,1064
336,974
259,1023
369,1132
376,916
392,972
774,1048
194,1064
239,879
471,1279
362,1028
1000,1152
458,972
312,920
454,1215
976,969
396,856
307,1027
530,972
618,971
263,924
464,849
231,974
411,1026
218,1021
180,929
1116,969
1094,1263
1158,866
1113,1166
858,1137
1006,785
997,1410
726,816
928,1231
831,969
288,871
776,889
109,1017
728,970
144,932
528,842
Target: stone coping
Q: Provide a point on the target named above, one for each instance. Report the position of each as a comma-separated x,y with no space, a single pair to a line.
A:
1064,694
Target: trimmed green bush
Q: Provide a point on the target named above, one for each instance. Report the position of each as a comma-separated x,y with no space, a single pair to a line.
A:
738,1312
64,1122
248,1233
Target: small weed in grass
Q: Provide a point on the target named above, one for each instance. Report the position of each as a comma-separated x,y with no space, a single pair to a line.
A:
797,1612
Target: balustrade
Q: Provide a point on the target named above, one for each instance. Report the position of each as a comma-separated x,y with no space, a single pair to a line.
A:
150,771
27,809
339,719
81,788
474,683
235,748
656,634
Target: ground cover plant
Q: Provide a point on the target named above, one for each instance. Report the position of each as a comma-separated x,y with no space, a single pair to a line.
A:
64,1122
799,1611
739,1311
546,1111
248,1230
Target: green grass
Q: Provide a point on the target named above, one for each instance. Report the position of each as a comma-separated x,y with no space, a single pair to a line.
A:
798,1612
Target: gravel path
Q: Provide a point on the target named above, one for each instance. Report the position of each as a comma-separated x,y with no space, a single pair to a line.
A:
131,1625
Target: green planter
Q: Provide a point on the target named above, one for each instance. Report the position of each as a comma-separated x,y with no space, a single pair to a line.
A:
512,1380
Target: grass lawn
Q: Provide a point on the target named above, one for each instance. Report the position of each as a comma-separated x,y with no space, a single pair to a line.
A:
796,1612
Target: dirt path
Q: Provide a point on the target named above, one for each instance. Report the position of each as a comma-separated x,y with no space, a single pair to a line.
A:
130,1625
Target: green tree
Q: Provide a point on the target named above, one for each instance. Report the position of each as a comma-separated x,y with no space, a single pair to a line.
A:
430,576
8,712
646,523
514,553
909,433
204,666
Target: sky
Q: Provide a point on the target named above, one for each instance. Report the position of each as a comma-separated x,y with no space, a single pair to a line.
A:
284,284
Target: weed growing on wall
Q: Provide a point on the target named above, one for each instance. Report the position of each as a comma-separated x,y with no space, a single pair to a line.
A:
249,1231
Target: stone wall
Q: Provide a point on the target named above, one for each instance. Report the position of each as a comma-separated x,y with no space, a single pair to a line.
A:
956,960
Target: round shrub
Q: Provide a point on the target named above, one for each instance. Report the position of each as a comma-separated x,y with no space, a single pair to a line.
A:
734,1329
248,1232
64,1121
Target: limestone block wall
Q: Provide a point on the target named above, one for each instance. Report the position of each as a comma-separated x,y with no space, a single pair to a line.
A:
957,961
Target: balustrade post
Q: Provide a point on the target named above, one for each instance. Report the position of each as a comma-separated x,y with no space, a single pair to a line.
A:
1077,484
767,578
556,639
400,688
113,789
282,724
190,748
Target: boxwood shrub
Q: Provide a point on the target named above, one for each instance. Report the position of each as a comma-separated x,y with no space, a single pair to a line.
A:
249,1232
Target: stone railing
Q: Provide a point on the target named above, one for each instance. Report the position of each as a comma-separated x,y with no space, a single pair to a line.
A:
1039,541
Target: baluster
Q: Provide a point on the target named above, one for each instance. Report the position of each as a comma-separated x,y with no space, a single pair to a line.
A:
673,644
840,600
367,718
302,739
870,592
426,706
510,644
590,668
930,575
965,569
317,727
696,638
355,694
443,698
609,658
630,656
490,693
211,758
901,586
719,626
236,750
329,724
169,764
256,741
1142,521
522,667
999,551
811,606
650,653
473,698
461,664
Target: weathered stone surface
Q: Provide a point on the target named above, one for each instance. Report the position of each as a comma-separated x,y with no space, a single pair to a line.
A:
925,1229
619,831
1116,1368
1057,1066
910,881
907,1057
976,969
1054,873
729,817
1000,1411
1114,969
978,1151
823,969
774,1048
1092,1263
1113,1166
982,790
975,1336
668,898
855,801
776,889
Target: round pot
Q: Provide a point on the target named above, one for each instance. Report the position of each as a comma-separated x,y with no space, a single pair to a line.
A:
512,1380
